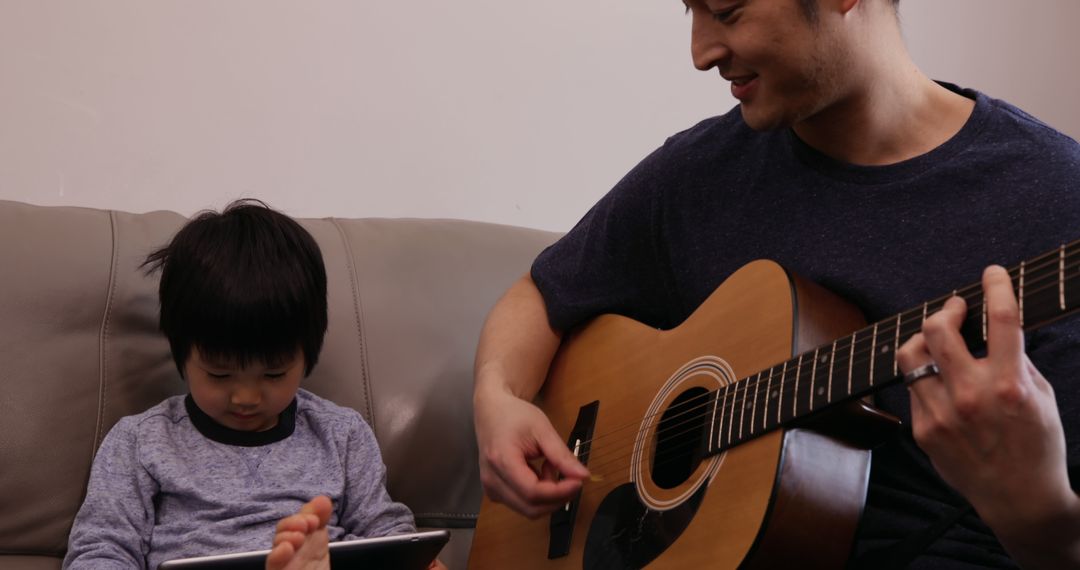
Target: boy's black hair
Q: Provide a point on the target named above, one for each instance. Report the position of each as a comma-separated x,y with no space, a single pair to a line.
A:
244,285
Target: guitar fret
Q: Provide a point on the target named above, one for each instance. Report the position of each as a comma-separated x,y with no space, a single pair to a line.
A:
1020,295
832,364
896,348
873,352
753,409
720,415
924,311
780,402
742,406
795,397
984,335
813,379
1061,277
712,422
768,394
731,417
851,362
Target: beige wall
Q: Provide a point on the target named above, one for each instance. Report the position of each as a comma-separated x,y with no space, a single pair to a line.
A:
514,112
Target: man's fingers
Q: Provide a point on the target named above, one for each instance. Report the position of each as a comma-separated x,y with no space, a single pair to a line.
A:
560,456
946,347
511,479
1005,338
534,496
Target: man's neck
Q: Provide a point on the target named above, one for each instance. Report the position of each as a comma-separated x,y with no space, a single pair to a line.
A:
885,109
887,124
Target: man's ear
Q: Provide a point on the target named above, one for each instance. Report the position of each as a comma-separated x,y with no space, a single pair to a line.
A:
842,6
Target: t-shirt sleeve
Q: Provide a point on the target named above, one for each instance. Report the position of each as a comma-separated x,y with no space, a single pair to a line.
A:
114,524
612,260
367,509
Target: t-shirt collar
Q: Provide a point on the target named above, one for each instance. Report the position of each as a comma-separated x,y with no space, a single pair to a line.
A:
216,432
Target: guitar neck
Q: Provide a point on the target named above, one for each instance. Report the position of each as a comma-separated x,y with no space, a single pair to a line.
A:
1047,288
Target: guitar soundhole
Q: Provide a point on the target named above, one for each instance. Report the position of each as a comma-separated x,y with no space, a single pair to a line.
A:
680,438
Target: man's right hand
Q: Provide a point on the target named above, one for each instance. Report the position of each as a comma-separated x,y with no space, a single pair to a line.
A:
523,461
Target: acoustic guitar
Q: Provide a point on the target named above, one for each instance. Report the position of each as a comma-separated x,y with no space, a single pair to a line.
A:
738,438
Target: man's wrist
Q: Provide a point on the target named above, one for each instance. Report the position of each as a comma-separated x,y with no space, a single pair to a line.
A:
1045,535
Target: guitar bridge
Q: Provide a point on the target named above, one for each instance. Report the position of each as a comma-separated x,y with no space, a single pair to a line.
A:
562,521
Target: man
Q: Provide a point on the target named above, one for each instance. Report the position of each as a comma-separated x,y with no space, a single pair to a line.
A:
850,167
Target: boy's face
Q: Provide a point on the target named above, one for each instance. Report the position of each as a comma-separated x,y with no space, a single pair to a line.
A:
243,398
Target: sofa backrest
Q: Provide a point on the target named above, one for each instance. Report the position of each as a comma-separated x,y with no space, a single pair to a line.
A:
80,348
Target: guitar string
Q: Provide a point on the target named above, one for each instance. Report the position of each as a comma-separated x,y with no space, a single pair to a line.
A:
707,398
757,391
756,384
905,322
596,467
675,449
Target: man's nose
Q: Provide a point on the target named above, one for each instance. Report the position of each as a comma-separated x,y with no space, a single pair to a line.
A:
707,47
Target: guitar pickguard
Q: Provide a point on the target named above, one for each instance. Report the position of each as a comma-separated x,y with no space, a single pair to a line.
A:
627,534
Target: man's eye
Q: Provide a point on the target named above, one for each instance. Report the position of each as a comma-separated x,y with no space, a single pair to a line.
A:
723,15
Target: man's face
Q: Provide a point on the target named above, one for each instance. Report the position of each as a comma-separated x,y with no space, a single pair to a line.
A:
783,67
246,398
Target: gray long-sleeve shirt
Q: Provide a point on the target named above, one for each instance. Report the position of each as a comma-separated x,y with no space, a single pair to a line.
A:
162,488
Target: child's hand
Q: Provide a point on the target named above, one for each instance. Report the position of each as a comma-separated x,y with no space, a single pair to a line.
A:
301,541
436,565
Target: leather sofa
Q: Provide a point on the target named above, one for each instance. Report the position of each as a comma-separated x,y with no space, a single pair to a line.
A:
80,348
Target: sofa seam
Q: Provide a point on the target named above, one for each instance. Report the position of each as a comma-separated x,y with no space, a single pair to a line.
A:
358,315
103,337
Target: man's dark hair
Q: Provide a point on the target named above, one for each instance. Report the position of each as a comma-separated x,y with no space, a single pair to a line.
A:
244,285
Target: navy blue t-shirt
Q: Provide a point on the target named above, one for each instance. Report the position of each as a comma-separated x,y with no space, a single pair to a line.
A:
886,238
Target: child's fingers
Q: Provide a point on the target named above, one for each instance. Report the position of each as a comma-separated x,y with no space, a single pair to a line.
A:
320,507
295,538
280,555
302,523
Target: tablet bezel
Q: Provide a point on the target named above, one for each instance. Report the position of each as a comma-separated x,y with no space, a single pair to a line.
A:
344,552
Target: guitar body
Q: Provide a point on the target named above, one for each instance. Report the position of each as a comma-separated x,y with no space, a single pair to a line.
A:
789,497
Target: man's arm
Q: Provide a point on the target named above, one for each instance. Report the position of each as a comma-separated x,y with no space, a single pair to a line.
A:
521,455
992,429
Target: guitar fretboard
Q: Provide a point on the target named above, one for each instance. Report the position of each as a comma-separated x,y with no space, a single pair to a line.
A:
1047,288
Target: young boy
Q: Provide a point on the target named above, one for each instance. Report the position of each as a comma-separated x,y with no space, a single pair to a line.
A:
243,304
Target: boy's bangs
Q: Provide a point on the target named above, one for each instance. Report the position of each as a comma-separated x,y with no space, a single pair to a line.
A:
252,326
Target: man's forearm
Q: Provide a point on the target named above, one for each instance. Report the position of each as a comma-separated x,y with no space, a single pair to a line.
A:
516,344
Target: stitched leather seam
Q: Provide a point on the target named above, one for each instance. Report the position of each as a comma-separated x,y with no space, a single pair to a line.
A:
358,314
103,362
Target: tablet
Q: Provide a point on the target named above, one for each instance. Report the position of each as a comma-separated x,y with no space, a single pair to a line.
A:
413,551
